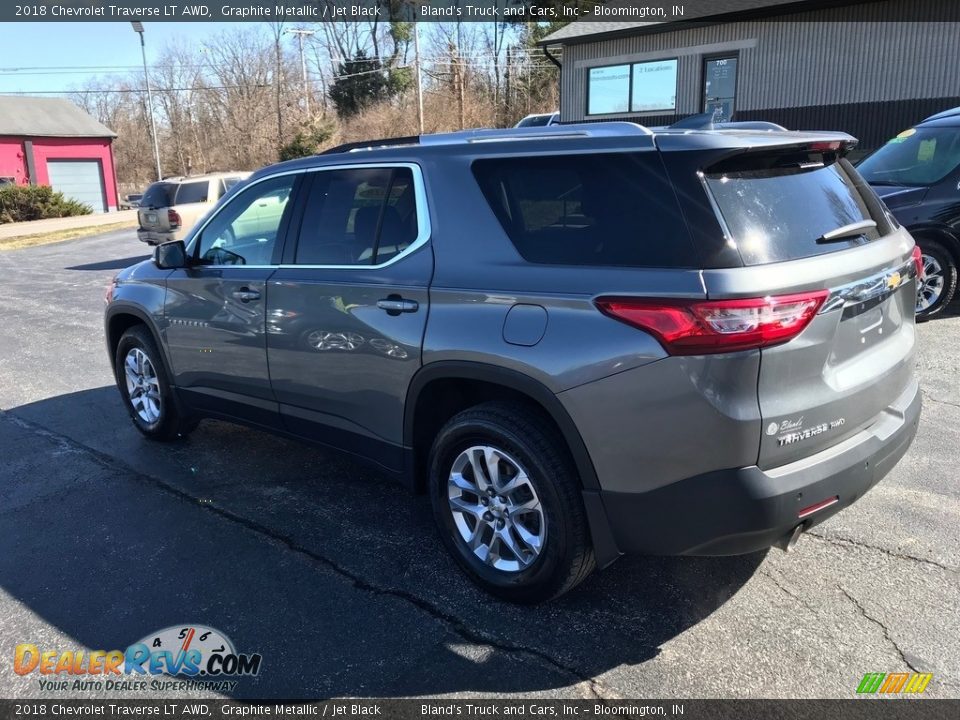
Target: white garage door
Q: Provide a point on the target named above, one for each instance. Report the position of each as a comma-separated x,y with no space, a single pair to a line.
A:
78,179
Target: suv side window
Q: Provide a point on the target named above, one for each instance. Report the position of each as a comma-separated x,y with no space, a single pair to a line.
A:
193,192
244,231
363,216
600,209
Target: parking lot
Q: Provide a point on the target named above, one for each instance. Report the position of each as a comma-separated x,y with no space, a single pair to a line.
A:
335,575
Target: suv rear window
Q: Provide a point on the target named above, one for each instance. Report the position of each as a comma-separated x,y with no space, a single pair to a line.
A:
777,207
599,209
193,192
158,195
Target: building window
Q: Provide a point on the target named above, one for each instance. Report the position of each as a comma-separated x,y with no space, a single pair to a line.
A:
608,90
654,86
638,87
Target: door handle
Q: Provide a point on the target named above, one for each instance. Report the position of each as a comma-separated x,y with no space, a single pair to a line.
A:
245,294
394,305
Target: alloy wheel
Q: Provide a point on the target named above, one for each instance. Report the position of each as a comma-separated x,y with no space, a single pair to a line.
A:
931,287
143,387
495,508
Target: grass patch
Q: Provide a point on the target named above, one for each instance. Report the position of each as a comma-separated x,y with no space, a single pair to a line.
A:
23,241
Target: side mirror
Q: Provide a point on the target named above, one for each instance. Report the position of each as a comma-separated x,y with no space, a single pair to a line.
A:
170,255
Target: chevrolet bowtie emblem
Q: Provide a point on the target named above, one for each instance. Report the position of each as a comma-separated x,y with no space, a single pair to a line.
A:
893,280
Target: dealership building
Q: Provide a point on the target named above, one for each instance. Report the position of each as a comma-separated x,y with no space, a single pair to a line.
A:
868,68
50,141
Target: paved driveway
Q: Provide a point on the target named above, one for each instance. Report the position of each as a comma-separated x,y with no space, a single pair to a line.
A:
336,577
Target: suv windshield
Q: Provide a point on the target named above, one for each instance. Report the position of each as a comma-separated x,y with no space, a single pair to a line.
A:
159,195
919,157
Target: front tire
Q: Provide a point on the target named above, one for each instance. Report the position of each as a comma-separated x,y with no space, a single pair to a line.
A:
144,385
939,284
506,499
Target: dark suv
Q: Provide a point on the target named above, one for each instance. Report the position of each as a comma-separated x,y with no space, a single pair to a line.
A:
582,341
917,174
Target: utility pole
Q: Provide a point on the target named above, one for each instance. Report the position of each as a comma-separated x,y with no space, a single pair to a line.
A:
138,28
301,33
416,51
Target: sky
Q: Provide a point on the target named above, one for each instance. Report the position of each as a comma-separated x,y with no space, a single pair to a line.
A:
71,50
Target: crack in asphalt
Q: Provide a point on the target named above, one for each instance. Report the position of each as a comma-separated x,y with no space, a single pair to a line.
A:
846,542
786,591
589,687
932,399
879,623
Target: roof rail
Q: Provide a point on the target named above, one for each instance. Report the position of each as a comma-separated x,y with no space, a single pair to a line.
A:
372,144
596,129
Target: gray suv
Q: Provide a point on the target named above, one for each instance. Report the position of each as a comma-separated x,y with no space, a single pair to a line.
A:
581,341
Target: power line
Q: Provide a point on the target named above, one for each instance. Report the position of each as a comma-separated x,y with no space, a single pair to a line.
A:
140,90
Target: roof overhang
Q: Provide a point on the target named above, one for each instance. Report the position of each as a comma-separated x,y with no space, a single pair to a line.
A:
747,10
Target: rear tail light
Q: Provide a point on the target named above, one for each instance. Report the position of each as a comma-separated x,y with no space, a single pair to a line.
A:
695,327
917,255
173,218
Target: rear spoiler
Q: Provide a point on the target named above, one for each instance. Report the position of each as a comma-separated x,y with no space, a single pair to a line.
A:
745,139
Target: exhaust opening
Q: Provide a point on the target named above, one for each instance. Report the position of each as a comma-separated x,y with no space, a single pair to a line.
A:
787,542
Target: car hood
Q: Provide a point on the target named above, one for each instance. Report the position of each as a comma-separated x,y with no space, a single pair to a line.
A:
896,196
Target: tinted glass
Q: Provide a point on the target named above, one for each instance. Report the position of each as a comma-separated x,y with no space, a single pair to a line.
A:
777,207
158,195
919,156
358,217
244,231
598,209
193,192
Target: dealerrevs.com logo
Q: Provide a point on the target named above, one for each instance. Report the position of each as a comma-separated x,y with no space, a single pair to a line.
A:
192,656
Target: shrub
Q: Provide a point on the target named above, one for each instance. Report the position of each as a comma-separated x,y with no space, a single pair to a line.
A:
36,202
306,142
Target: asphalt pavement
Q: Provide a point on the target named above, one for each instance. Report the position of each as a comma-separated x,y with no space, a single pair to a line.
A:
336,577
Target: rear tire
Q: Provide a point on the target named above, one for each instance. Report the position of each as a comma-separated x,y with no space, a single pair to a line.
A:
144,385
937,289
534,544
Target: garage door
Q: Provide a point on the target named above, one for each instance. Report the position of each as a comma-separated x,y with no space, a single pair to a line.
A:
79,180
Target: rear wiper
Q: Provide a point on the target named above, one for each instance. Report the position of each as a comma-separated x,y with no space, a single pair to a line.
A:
847,231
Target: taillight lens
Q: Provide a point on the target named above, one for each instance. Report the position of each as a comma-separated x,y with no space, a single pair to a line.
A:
173,218
917,255
694,327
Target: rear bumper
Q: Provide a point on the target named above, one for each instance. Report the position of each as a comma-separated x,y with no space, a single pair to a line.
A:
156,237
742,510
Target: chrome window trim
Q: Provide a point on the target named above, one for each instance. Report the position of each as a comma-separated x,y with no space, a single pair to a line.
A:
424,229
